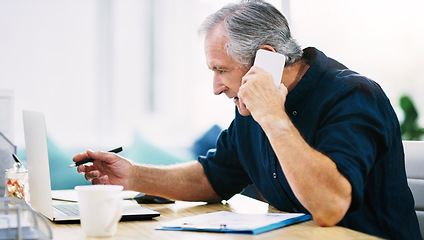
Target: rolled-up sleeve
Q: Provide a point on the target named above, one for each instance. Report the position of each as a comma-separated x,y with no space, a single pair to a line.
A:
355,130
222,167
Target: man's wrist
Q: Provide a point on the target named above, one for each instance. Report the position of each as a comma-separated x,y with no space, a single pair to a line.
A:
134,178
276,124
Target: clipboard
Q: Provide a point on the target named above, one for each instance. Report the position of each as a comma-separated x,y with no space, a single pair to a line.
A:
230,222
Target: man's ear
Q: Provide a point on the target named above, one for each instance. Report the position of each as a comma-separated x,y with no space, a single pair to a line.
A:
268,48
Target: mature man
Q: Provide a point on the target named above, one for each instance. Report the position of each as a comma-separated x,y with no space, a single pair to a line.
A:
325,142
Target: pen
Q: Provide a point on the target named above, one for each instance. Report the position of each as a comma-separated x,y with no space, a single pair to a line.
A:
16,158
116,150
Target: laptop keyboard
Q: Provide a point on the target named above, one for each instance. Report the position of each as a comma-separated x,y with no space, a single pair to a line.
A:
68,209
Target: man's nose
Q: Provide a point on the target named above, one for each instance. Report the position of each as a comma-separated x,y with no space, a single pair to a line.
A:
218,85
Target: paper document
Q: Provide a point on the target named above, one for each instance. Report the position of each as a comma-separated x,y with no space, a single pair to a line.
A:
230,222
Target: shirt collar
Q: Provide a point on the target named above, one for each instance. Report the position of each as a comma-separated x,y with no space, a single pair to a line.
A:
318,62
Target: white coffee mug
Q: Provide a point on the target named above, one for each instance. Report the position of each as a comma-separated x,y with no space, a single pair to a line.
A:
100,208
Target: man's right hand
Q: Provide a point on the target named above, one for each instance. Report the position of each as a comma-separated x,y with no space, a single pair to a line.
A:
107,168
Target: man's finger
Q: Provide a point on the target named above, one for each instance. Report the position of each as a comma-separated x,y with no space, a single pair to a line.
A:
100,180
107,157
80,156
92,175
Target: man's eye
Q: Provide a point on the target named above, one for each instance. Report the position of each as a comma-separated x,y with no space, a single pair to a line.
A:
219,70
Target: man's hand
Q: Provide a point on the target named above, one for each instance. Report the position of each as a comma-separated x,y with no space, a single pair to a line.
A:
260,96
107,168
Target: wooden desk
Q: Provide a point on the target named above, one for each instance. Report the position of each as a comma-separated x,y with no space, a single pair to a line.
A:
239,203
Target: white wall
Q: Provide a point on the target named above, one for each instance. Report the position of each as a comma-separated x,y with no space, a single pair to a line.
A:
6,116
382,39
47,59
87,65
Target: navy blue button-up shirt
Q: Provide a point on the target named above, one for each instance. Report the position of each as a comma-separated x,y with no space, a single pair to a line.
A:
348,118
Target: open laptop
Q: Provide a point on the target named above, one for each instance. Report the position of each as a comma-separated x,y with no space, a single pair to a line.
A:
39,178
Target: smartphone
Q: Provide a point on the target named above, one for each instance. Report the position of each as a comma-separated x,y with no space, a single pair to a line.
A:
272,63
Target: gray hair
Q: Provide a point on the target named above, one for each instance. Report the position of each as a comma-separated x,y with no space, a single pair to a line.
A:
251,24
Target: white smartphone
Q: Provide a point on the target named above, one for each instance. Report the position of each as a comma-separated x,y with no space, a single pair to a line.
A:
272,63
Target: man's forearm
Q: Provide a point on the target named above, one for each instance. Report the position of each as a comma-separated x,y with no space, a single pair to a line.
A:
313,177
185,181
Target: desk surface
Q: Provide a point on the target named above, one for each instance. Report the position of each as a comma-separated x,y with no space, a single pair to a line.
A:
239,204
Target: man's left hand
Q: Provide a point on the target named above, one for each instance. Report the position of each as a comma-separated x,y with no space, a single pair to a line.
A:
260,96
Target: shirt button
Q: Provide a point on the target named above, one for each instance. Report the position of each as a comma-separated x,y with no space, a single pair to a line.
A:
294,113
274,175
